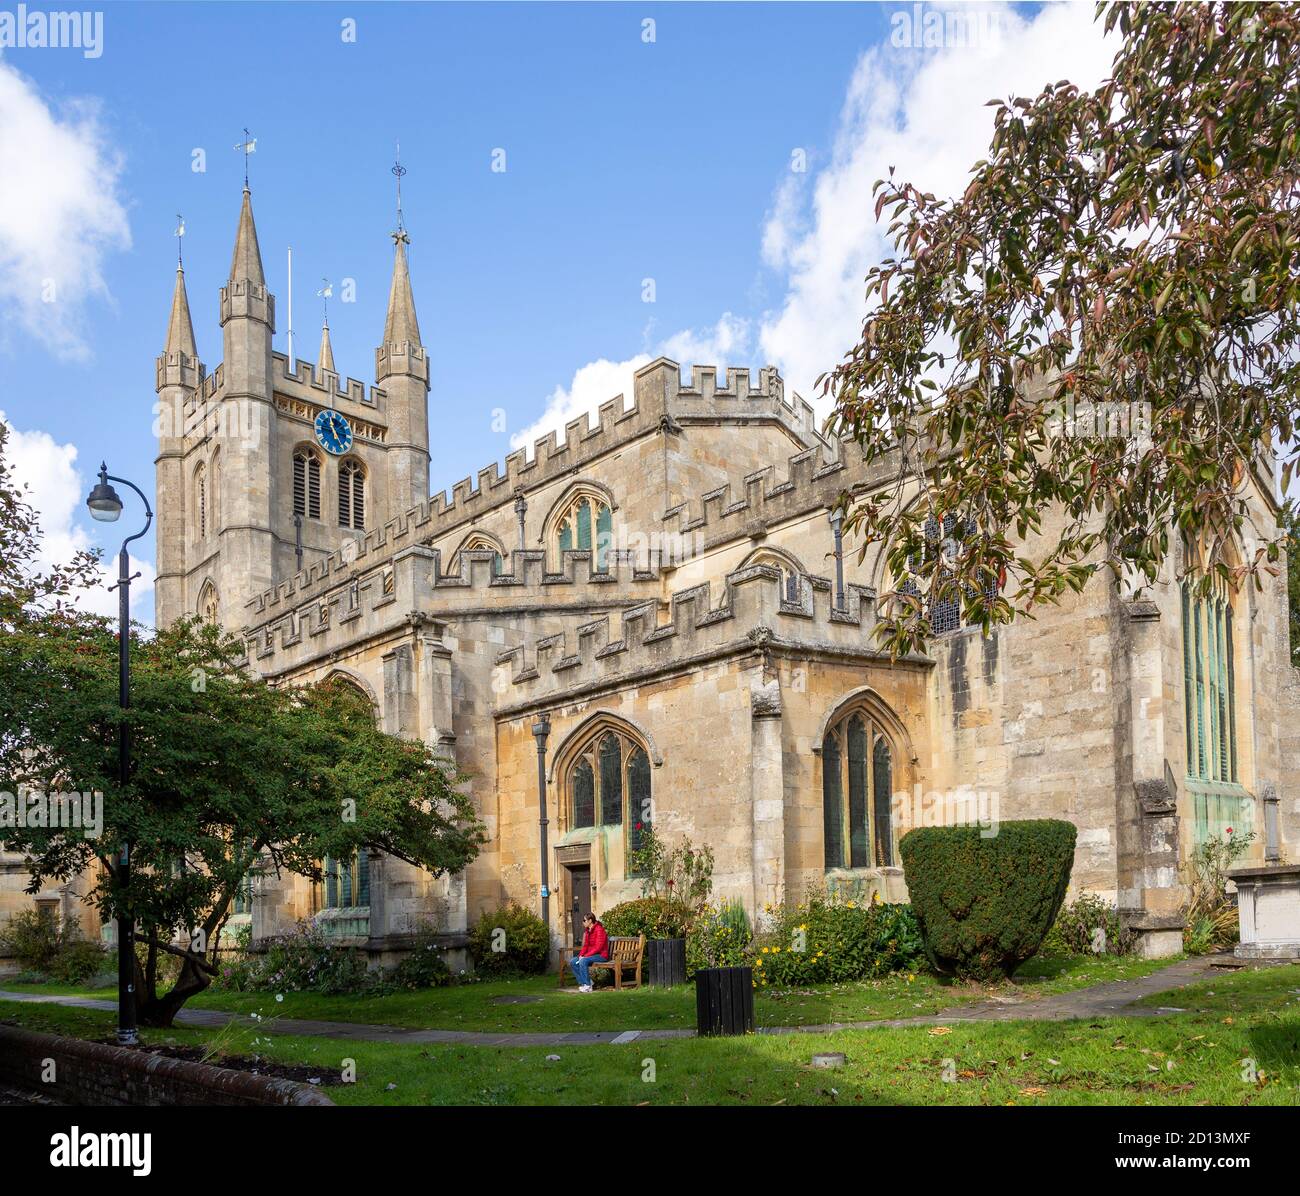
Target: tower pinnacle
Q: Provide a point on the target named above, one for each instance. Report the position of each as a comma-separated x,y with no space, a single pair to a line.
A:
246,263
180,329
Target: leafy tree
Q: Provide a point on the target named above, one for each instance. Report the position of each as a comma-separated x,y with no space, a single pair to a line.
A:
1136,246
231,775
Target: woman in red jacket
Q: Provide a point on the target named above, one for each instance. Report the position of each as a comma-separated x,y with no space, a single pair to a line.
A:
595,949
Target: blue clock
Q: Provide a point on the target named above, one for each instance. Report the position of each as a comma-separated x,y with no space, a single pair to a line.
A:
333,432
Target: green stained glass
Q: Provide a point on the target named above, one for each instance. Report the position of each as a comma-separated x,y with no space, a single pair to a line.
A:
859,834
611,781
604,535
583,516
584,794
832,802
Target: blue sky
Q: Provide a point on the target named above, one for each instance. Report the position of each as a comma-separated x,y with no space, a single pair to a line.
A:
672,160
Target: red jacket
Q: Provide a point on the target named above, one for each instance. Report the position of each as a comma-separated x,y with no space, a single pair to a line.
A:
594,942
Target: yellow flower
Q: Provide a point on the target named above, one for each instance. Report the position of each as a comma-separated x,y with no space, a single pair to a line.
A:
853,905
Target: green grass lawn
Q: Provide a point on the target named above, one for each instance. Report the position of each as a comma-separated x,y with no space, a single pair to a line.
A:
1198,1057
472,1007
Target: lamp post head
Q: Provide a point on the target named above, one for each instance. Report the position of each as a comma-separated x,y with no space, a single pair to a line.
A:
103,500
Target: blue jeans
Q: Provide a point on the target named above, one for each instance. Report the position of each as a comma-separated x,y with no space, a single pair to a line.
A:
579,965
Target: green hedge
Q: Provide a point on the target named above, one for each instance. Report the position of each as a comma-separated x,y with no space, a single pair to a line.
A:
985,902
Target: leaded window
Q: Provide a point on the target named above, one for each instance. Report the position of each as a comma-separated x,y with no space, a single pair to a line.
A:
1208,684
857,785
347,882
587,526
609,785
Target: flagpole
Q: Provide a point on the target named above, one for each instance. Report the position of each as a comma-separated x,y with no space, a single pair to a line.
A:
293,369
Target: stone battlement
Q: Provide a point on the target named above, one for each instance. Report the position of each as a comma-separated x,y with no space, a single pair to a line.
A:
659,395
412,579
753,606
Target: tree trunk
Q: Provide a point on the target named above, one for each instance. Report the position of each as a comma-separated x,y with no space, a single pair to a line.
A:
160,1012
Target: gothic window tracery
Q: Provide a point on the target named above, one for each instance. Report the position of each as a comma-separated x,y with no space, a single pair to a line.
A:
608,784
586,524
857,787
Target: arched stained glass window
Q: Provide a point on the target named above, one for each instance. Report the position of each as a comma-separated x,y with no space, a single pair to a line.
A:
608,784
857,786
587,525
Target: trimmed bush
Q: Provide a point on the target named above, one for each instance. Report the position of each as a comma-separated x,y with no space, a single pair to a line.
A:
510,941
654,917
985,904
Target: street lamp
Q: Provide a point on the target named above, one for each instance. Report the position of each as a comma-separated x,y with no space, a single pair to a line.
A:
541,729
836,517
106,506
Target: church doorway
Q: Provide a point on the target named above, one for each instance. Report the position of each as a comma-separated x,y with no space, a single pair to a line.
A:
579,899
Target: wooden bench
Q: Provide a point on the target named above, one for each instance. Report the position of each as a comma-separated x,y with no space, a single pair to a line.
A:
626,953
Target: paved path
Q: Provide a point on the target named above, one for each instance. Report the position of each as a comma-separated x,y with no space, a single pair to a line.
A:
1112,999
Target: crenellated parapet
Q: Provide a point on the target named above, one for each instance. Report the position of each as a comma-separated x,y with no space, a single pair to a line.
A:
307,380
752,611
374,593
763,499
242,298
659,396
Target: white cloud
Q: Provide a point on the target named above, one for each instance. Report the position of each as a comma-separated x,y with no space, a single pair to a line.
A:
57,491
60,214
923,112
920,110
727,341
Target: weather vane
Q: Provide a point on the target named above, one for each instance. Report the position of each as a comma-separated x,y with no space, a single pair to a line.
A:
326,290
178,234
246,147
398,171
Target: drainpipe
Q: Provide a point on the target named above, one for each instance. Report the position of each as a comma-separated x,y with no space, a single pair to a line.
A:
836,517
541,729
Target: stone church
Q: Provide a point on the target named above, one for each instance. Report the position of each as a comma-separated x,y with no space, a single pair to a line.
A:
656,600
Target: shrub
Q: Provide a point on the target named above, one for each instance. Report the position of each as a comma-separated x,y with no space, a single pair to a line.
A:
304,961
683,873
717,940
984,904
58,952
77,961
825,940
1089,926
510,941
654,917
424,967
1210,915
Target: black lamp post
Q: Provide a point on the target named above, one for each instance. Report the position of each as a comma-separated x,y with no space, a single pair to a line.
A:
541,729
106,506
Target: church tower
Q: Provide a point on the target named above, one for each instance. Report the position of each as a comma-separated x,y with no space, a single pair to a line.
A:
269,467
242,480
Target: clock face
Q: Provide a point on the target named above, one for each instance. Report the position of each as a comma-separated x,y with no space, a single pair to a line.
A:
333,432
